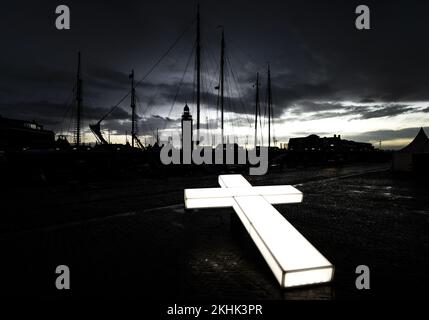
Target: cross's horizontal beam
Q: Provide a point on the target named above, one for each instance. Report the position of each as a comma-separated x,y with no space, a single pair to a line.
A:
224,197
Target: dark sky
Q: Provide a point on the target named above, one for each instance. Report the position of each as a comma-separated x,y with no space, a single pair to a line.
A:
325,72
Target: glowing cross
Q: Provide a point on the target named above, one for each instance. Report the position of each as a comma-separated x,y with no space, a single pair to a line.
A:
292,258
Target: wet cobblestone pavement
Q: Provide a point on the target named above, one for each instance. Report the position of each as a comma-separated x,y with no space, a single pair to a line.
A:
134,240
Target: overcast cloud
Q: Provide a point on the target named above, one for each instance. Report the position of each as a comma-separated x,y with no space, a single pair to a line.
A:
322,67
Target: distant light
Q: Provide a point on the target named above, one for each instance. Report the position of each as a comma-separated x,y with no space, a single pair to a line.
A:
292,258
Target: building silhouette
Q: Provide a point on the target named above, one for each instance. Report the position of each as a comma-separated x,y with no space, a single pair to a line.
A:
21,134
327,144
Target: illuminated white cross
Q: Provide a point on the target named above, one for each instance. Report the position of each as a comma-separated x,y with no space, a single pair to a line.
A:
292,258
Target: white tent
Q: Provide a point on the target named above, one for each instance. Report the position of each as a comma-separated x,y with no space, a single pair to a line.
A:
403,159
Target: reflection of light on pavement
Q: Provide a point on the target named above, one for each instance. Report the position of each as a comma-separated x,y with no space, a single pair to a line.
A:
291,257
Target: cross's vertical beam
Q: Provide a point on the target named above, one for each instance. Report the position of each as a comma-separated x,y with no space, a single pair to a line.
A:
292,258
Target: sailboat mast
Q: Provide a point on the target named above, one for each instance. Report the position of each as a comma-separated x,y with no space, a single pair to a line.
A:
208,132
256,109
133,109
198,65
222,80
269,103
78,102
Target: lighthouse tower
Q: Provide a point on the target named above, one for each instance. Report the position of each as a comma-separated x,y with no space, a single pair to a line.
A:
186,126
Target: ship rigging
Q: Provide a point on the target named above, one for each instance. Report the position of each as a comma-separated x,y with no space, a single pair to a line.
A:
223,92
